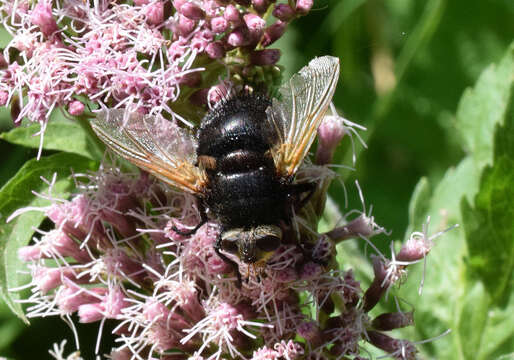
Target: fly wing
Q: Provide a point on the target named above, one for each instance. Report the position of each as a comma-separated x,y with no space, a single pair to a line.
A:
298,112
154,145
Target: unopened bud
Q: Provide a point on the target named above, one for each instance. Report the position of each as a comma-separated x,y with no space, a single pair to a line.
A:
215,50
330,133
273,32
76,108
260,5
391,345
192,11
303,6
265,57
390,321
377,287
283,12
43,18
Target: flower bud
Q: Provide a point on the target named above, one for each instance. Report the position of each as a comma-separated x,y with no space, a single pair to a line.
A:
232,15
391,345
260,5
303,6
219,25
43,18
76,108
254,23
215,50
391,321
154,13
265,57
416,248
239,37
377,287
283,12
273,32
330,133
192,11
185,25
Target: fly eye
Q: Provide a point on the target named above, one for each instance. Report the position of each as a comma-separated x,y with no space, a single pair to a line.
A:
229,246
268,243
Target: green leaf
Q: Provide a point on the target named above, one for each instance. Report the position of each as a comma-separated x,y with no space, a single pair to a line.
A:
485,106
18,193
489,223
469,271
61,134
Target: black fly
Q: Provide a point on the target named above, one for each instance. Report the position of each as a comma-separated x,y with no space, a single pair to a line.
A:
249,149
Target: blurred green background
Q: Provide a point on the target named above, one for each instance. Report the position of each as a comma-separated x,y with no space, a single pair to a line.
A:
405,65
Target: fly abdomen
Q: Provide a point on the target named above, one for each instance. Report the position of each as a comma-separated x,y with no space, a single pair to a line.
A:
242,160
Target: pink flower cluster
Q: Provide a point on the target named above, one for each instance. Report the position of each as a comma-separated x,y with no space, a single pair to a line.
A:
147,55
114,255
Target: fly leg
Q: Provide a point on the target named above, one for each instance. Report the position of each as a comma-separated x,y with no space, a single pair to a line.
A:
295,191
217,248
203,220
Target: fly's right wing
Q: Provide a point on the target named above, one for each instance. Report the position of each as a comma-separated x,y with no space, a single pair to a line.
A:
154,145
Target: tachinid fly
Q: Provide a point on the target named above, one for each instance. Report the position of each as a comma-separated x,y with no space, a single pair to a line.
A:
248,151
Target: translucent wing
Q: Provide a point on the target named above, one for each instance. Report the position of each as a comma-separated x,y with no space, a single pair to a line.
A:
298,112
153,144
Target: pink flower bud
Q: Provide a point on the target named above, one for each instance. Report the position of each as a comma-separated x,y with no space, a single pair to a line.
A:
219,24
377,287
89,313
76,108
47,279
239,37
192,11
70,298
416,248
141,2
391,321
273,32
185,26
215,50
260,5
303,6
360,226
232,15
265,57
254,23
217,93
283,12
154,13
42,17
391,345
330,133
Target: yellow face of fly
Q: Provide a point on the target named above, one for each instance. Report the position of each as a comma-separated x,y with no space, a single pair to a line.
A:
254,246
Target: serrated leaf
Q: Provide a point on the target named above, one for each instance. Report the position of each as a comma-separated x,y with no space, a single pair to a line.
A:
489,222
482,108
16,194
469,274
62,135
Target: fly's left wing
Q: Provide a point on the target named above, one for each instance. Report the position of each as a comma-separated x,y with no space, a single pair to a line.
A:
298,112
153,144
